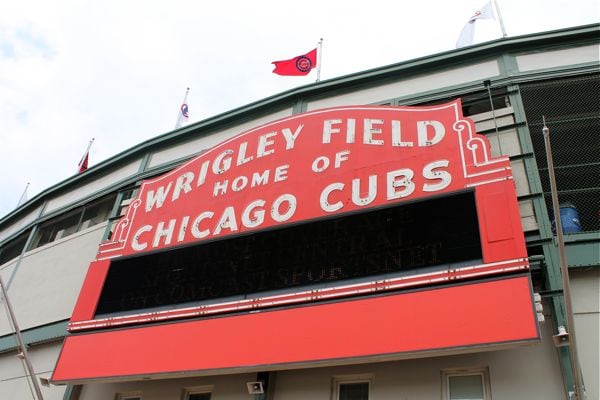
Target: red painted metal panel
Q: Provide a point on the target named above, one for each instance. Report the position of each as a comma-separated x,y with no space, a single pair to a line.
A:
491,312
85,308
499,222
451,275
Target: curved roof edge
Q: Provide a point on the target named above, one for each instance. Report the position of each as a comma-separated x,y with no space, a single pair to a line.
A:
516,43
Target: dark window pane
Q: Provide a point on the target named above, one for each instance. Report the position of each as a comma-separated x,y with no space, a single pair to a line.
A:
58,228
13,248
354,391
199,396
97,212
466,387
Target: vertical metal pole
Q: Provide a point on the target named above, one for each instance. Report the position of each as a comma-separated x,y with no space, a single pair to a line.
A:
563,268
488,84
23,198
500,20
319,57
21,343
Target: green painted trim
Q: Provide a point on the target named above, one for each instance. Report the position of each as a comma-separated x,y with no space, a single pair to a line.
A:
68,392
582,237
508,65
299,107
583,249
114,213
72,392
46,333
144,163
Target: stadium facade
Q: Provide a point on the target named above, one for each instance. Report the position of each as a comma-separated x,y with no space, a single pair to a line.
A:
387,234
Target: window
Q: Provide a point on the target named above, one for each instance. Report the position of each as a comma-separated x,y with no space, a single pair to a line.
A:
124,199
198,396
352,387
57,228
74,221
13,248
197,393
466,384
137,395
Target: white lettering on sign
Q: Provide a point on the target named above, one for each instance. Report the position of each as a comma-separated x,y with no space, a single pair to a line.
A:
358,163
399,183
438,132
371,128
241,182
263,146
253,215
157,199
433,172
326,204
135,242
183,183
425,133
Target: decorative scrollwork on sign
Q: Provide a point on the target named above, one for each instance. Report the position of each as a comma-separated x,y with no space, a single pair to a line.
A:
477,162
109,248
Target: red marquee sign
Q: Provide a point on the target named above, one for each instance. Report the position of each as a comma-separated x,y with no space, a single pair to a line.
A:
307,167
312,166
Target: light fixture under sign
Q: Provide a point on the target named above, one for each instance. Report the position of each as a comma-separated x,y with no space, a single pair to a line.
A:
255,387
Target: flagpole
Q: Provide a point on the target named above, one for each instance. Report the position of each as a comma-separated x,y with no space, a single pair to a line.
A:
500,20
22,348
319,57
23,197
574,356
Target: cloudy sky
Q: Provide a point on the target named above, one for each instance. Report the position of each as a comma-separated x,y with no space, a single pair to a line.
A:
117,70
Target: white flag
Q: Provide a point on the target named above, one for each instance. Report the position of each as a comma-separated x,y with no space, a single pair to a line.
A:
183,112
468,32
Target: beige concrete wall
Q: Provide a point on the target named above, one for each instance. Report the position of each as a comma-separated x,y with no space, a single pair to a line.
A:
46,283
89,188
14,383
558,58
522,373
405,87
226,387
206,142
20,223
585,293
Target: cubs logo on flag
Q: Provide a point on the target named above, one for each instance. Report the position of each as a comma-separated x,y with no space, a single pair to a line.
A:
184,110
297,66
183,114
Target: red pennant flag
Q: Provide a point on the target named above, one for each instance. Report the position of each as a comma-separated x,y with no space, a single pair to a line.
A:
297,66
83,164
